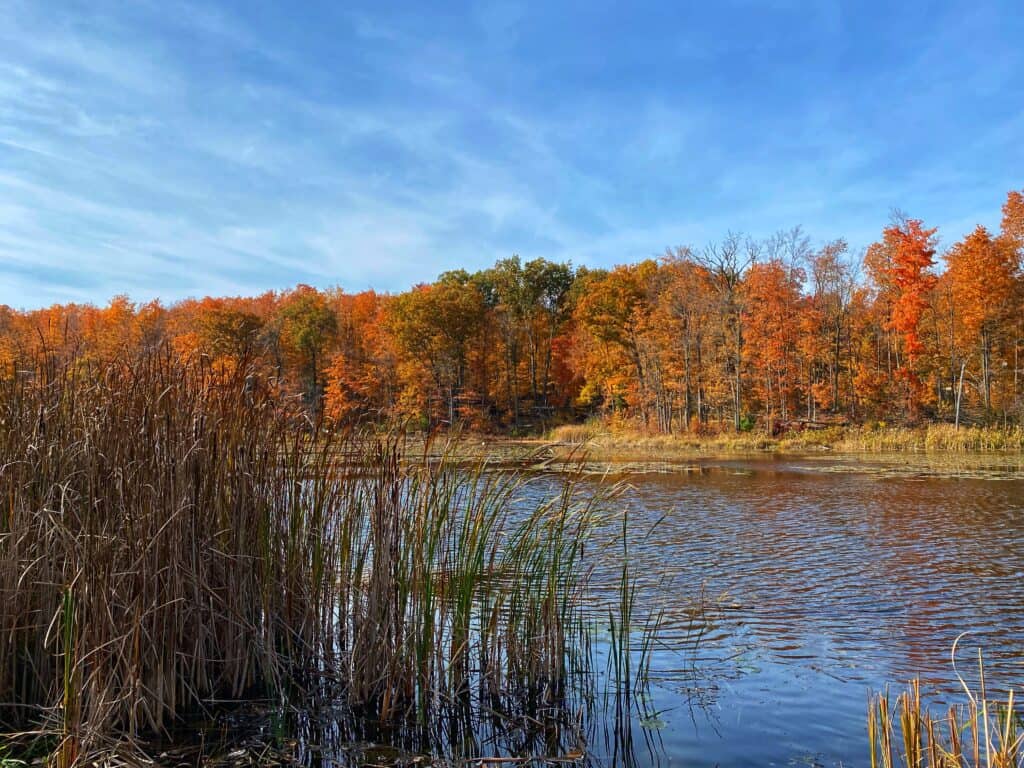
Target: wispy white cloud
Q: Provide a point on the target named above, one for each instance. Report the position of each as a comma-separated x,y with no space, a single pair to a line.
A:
209,149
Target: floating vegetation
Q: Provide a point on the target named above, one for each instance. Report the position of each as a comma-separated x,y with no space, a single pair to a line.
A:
930,467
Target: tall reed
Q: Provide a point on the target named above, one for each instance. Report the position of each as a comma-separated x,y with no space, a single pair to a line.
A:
175,537
979,734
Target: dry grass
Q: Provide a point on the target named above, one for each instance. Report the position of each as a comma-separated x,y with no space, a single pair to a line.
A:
601,440
575,434
174,537
981,734
934,437
878,439
147,566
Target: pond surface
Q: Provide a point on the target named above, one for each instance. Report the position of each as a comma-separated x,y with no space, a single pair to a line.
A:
824,579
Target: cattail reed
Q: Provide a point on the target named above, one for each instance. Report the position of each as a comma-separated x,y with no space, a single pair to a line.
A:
979,734
177,536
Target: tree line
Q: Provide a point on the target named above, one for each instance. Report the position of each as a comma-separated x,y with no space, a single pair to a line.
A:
741,332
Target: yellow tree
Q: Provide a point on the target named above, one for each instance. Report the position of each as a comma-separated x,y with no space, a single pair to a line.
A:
833,285
612,312
433,327
726,264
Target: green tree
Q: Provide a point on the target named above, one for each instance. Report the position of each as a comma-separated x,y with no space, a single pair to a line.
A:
305,328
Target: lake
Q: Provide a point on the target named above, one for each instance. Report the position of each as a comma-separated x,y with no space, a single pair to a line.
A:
824,579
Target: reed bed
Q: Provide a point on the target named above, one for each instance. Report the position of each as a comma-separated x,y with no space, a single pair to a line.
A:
979,734
866,439
602,441
575,434
176,538
935,437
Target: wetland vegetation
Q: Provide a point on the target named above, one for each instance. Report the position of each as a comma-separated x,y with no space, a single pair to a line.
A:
867,439
178,543
194,570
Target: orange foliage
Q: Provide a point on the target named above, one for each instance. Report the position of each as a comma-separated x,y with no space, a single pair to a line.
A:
901,264
739,333
774,309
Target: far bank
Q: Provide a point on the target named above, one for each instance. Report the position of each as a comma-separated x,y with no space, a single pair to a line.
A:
600,442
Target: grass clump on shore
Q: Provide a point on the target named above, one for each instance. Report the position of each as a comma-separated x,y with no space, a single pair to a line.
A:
863,439
934,437
176,538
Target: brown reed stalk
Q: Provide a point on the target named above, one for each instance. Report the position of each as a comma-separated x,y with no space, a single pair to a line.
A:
176,535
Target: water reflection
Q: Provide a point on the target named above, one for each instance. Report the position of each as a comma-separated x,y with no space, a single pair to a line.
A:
825,579
790,588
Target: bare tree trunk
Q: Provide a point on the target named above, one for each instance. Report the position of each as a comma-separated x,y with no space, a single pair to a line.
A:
687,394
836,355
959,395
738,376
986,372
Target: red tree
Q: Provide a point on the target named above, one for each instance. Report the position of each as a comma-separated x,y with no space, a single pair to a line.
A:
901,265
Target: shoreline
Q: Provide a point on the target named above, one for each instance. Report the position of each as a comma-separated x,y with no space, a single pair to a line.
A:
931,438
602,444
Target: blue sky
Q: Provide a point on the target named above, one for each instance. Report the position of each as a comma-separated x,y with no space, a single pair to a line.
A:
167,150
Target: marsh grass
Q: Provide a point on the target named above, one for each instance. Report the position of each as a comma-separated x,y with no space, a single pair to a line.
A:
866,439
599,441
980,734
934,437
177,539
575,434
626,695
161,548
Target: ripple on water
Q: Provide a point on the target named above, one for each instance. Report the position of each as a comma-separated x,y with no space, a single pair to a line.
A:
823,580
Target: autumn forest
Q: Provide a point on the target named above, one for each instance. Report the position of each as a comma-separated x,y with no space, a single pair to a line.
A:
739,334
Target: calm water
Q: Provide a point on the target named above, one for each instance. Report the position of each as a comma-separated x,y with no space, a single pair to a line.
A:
824,579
